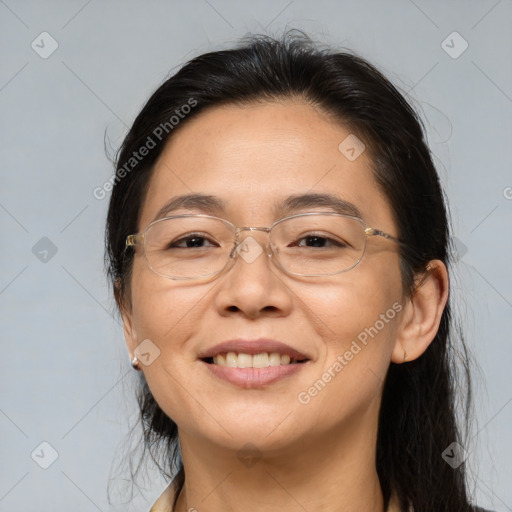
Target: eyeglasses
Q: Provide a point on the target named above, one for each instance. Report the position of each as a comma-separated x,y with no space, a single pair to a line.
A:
307,244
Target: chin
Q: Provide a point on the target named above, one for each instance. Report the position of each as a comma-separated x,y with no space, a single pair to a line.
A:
264,429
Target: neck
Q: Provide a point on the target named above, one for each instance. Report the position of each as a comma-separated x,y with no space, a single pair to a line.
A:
335,472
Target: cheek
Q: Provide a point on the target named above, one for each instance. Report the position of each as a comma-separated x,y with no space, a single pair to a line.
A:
168,316
356,300
359,318
163,310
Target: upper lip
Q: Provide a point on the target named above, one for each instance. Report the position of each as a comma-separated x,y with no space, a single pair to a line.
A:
252,347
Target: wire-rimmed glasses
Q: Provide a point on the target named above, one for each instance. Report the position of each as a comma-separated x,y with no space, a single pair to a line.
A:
195,246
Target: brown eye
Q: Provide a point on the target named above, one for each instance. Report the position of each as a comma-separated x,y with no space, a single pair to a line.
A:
191,241
317,241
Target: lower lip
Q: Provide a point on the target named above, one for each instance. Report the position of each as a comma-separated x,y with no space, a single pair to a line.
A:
254,377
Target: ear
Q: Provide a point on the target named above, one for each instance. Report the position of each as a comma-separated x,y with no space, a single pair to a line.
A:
422,313
124,304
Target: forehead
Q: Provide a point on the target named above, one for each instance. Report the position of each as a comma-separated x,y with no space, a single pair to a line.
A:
254,158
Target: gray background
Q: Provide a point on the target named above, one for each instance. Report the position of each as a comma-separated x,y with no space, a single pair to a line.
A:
65,377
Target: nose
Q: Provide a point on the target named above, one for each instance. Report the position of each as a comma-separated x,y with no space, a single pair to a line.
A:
253,286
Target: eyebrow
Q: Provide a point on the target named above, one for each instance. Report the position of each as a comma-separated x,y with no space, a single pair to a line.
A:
214,205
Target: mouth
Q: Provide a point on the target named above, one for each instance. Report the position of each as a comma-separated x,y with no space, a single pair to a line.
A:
253,363
259,360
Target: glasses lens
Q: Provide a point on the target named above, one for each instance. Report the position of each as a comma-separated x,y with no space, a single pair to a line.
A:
311,244
188,247
319,244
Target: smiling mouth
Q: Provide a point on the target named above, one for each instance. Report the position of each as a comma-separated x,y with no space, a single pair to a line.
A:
261,360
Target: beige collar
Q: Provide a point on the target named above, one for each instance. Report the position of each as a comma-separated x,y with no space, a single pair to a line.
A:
164,501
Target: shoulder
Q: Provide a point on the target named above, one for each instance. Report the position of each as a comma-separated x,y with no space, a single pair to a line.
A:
165,500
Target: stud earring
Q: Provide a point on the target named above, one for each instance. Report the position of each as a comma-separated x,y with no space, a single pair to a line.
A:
135,364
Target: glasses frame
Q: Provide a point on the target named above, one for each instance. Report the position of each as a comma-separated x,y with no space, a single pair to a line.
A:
139,239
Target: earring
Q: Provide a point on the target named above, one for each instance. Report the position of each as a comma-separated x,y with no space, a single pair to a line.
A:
135,364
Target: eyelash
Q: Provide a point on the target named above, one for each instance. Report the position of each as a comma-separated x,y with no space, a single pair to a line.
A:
200,235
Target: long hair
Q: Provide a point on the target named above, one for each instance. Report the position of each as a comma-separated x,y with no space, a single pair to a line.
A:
418,416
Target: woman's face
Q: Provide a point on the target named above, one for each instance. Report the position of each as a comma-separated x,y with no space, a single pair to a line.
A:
253,158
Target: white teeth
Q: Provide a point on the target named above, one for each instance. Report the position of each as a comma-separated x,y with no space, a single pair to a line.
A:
244,360
262,360
231,360
220,359
275,359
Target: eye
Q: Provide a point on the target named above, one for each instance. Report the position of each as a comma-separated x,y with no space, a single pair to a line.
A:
318,241
191,241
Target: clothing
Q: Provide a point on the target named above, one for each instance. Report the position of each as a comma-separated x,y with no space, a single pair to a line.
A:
165,500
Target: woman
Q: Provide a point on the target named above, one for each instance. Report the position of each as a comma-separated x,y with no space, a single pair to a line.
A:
277,241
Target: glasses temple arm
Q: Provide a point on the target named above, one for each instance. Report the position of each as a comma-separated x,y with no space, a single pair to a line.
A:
136,239
377,232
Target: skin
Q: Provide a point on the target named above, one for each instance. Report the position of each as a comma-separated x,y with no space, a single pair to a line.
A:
319,456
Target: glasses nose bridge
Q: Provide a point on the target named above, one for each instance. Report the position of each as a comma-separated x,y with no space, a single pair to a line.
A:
240,229
251,228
